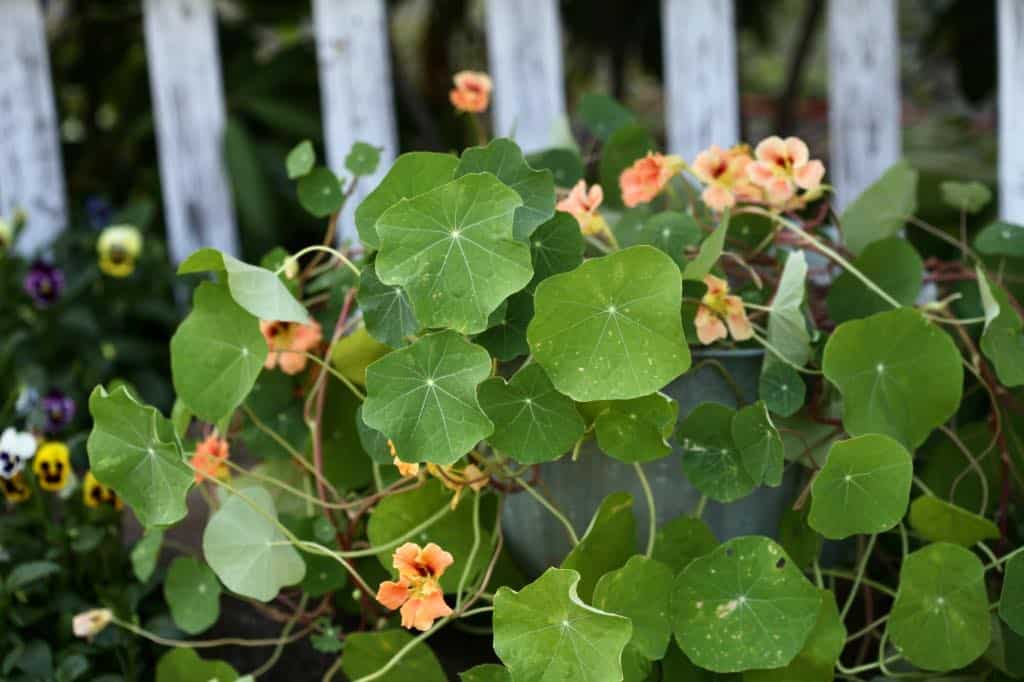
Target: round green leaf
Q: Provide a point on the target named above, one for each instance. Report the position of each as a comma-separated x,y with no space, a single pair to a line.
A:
411,175
611,328
185,665
545,632
781,388
132,448
365,653
640,590
386,310
939,620
536,188
965,196
799,540
1011,600
506,339
939,521
397,515
319,192
557,246
247,551
898,375
603,115
1001,239
488,672
759,443
671,231
300,160
816,661
864,487
893,265
882,209
362,159
193,593
682,540
423,397
608,543
637,430
565,164
711,459
745,605
216,354
452,250
145,553
532,421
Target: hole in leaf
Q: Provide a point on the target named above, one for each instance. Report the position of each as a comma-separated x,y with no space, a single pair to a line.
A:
781,563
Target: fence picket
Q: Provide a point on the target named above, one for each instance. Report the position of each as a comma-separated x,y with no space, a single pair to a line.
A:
32,176
864,93
355,89
188,103
1010,21
701,93
524,47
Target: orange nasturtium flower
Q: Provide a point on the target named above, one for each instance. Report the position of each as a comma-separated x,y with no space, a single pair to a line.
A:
288,343
724,172
208,460
582,204
472,91
647,177
417,590
716,305
782,166
95,494
405,469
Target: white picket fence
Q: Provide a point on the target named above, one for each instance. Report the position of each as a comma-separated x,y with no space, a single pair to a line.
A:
524,41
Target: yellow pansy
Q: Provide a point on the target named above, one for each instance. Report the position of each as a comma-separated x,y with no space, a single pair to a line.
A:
95,494
52,466
118,247
15,489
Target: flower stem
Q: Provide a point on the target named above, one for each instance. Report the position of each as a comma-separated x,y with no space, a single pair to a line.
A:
319,247
652,514
551,508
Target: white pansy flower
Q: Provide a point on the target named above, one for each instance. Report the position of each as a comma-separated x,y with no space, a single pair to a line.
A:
16,447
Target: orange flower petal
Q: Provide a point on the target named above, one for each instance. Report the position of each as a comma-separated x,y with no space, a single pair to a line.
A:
421,613
392,594
796,151
404,559
709,327
809,175
435,559
718,198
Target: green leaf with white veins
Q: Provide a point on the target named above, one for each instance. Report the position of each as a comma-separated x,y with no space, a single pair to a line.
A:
453,251
258,290
640,590
545,633
423,397
532,421
711,459
386,310
612,328
637,430
745,605
216,354
247,550
864,487
608,543
557,246
787,328
898,375
411,175
940,618
536,188
759,443
132,448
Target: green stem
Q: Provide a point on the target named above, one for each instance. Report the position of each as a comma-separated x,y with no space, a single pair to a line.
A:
477,611
207,643
777,353
861,567
335,373
1003,559
400,654
698,511
472,552
652,514
551,508
285,632
846,575
319,247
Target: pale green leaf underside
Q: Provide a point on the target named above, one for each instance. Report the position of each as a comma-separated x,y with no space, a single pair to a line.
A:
612,328
133,450
423,397
193,594
941,521
452,250
545,633
247,551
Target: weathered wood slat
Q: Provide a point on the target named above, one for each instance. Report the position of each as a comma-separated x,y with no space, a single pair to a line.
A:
524,47
864,93
1010,19
355,86
31,173
188,103
701,93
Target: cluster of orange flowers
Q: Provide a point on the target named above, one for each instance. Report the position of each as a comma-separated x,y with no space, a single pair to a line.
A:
456,480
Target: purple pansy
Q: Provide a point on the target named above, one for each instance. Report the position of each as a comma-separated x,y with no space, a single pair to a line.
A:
58,410
44,283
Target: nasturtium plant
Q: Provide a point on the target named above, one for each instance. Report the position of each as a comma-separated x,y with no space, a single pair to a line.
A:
522,406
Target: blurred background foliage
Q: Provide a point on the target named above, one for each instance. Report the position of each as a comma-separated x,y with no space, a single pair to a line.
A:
270,79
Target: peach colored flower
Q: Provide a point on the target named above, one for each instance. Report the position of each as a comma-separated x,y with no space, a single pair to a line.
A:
90,623
647,177
472,91
582,204
783,166
418,590
405,469
208,460
288,342
716,305
724,171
